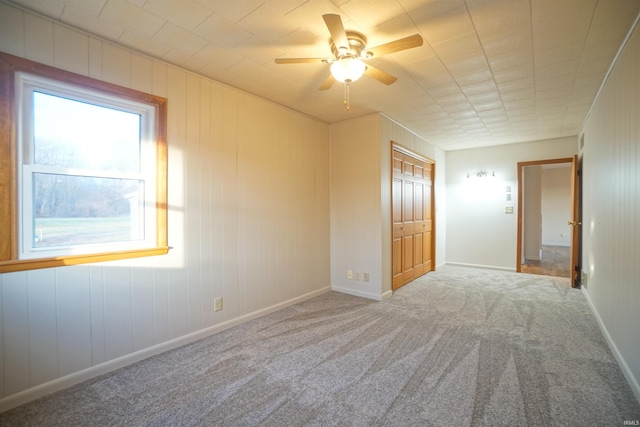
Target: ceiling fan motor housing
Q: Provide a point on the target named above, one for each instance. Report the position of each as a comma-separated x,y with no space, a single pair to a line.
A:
357,44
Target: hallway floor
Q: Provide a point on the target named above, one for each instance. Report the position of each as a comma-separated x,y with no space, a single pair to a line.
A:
555,262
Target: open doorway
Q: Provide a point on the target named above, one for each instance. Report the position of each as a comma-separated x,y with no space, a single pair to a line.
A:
545,205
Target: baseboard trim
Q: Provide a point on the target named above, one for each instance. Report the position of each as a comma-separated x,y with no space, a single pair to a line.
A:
488,267
67,381
633,382
357,293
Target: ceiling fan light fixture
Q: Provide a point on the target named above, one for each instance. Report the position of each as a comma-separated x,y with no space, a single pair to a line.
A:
347,70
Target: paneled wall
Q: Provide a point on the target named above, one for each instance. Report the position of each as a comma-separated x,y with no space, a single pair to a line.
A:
356,206
611,208
248,222
361,201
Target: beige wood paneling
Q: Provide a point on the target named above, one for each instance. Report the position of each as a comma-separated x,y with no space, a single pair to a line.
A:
611,202
248,191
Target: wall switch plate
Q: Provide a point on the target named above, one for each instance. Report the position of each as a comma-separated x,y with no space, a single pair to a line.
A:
349,274
217,304
508,209
365,277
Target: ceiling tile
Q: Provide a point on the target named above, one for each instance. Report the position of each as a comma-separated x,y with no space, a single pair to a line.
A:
514,17
423,12
447,26
510,60
254,47
479,88
563,83
370,13
611,21
134,40
516,73
488,72
90,7
125,15
219,30
512,43
232,10
52,9
308,16
516,85
89,22
565,21
268,22
187,14
181,40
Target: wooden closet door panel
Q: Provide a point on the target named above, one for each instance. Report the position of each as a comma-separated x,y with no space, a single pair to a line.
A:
412,222
408,258
426,252
396,269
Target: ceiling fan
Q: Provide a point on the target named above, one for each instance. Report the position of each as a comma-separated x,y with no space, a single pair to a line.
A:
349,50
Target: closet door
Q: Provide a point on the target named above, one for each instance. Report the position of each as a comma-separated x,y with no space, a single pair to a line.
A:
412,201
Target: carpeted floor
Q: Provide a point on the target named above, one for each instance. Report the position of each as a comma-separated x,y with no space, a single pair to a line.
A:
458,346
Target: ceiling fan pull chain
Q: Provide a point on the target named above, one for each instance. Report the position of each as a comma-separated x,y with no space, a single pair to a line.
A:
346,95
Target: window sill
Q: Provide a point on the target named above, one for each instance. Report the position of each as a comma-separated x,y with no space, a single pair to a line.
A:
34,264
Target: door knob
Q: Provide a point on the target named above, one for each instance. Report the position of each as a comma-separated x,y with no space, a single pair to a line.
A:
574,223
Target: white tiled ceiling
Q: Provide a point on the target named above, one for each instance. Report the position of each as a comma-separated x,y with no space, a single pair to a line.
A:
490,71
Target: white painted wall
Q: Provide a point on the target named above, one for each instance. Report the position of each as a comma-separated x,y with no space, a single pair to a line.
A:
360,201
556,205
532,212
611,208
479,232
248,220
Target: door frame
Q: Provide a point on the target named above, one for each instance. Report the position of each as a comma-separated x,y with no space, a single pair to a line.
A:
404,150
575,214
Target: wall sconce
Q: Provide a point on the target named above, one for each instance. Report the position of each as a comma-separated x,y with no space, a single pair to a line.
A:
481,174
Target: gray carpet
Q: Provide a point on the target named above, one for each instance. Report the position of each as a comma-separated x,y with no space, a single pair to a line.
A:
458,346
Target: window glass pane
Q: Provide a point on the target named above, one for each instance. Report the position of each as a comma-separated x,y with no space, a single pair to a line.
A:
76,210
75,134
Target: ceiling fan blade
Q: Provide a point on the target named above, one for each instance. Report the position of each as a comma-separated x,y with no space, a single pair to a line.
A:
327,83
338,34
300,60
396,46
380,75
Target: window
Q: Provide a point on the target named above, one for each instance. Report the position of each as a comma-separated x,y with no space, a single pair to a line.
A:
86,180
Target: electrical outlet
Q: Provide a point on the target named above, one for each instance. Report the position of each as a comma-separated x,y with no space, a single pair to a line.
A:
357,275
217,304
365,277
349,274
583,279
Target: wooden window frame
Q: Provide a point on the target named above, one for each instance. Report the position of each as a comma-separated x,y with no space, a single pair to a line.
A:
9,261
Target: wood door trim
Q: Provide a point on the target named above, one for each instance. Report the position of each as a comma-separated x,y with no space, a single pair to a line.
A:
521,166
406,151
576,219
